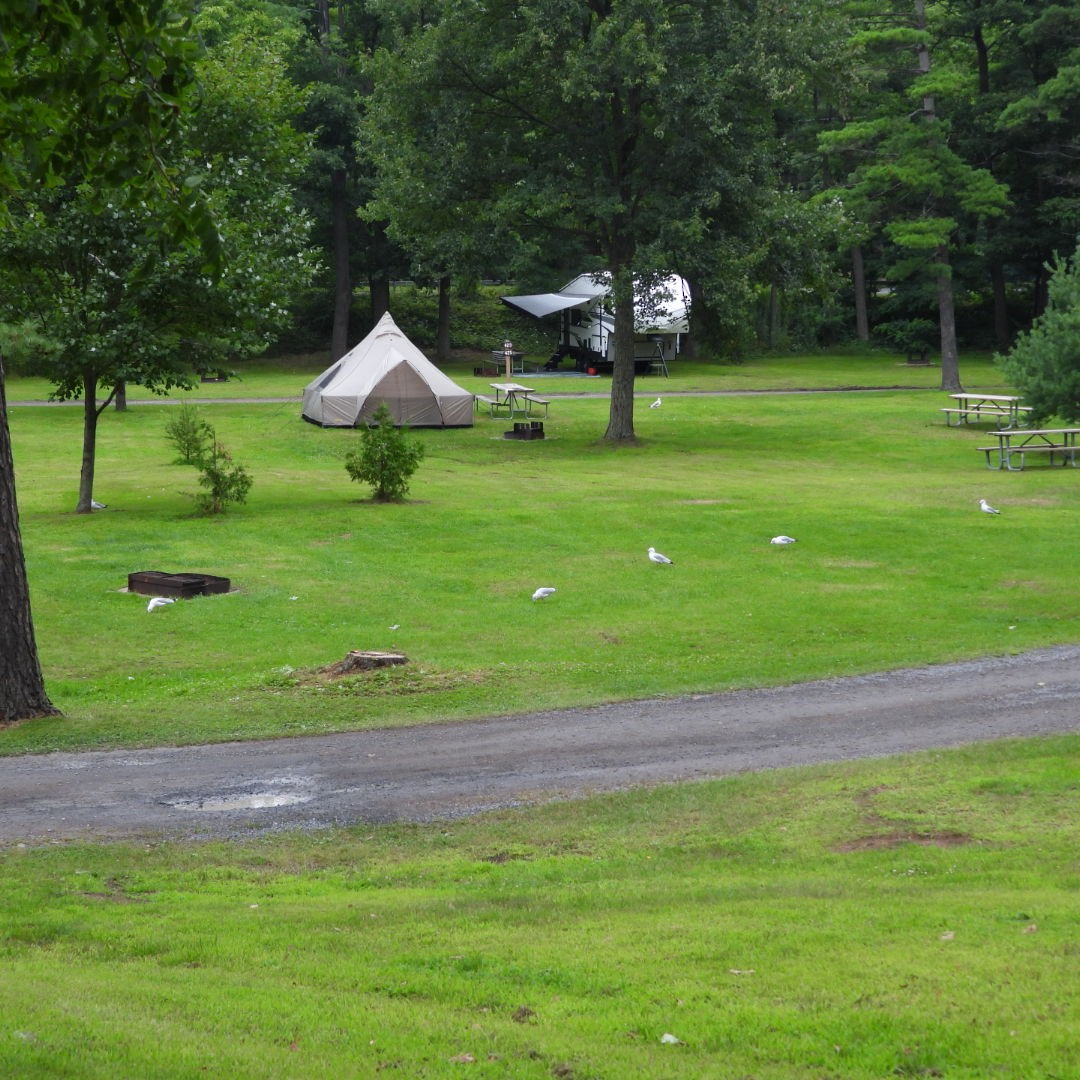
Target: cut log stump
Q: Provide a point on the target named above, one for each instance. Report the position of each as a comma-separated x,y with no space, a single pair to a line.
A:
358,661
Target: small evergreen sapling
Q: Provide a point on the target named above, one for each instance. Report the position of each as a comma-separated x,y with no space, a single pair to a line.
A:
224,480
1044,363
190,434
386,459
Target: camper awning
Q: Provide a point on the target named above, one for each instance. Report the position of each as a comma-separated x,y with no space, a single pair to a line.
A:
541,304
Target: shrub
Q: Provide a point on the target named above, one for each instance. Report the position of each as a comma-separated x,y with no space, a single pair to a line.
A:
190,434
225,481
387,458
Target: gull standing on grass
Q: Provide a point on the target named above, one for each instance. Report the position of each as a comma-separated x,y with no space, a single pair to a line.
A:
656,404
986,508
656,557
159,601
541,593
783,540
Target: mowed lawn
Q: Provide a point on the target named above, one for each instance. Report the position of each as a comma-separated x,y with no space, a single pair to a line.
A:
894,565
911,917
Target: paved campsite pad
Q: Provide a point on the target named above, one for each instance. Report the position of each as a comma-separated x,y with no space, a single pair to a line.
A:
441,771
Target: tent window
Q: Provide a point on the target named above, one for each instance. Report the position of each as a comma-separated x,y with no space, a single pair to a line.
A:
325,381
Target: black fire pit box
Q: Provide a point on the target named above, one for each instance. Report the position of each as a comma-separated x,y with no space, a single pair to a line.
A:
530,429
180,586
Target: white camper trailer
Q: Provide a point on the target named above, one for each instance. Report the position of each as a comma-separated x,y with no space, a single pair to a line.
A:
587,332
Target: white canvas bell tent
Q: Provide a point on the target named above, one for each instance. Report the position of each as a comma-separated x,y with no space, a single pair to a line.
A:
386,368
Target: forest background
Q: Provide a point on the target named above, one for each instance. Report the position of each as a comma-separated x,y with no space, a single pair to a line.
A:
818,172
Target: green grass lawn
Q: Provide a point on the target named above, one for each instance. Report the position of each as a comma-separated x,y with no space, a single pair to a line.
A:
909,917
914,917
894,566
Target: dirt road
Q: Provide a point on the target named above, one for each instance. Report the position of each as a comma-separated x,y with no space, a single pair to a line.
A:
451,770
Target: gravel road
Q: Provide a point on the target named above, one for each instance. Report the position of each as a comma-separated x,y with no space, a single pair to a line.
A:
445,771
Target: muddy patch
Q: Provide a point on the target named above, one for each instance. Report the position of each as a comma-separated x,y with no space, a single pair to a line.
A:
895,834
885,841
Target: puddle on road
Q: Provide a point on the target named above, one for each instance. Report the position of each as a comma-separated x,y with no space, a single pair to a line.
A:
262,796
241,802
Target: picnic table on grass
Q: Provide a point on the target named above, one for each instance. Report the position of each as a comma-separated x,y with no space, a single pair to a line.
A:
976,407
512,399
1015,445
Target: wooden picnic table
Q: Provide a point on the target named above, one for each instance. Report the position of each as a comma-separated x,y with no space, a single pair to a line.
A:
512,396
975,407
1014,445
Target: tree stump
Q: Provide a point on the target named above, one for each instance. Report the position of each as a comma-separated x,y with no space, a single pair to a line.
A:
359,660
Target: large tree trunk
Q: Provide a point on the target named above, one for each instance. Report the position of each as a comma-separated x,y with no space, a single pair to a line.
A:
997,270
688,346
89,447
22,687
621,417
1002,329
442,343
858,283
950,362
772,317
379,287
339,211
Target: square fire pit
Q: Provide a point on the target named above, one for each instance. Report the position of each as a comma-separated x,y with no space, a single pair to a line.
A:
179,586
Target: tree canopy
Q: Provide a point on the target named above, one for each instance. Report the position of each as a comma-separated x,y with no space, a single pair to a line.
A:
94,89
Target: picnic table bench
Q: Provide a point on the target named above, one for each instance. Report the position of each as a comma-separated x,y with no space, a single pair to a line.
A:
531,401
496,406
1015,444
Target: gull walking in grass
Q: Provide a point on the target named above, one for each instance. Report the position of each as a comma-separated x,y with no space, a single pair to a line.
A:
656,557
541,593
783,540
159,601
656,404
986,508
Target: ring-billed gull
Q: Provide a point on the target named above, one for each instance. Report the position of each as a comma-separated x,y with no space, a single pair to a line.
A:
658,558
656,404
783,540
987,508
541,593
159,601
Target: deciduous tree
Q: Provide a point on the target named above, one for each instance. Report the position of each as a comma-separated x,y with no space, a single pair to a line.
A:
632,126
82,262
92,88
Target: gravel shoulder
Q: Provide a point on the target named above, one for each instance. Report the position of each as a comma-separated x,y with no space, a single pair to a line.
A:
446,771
